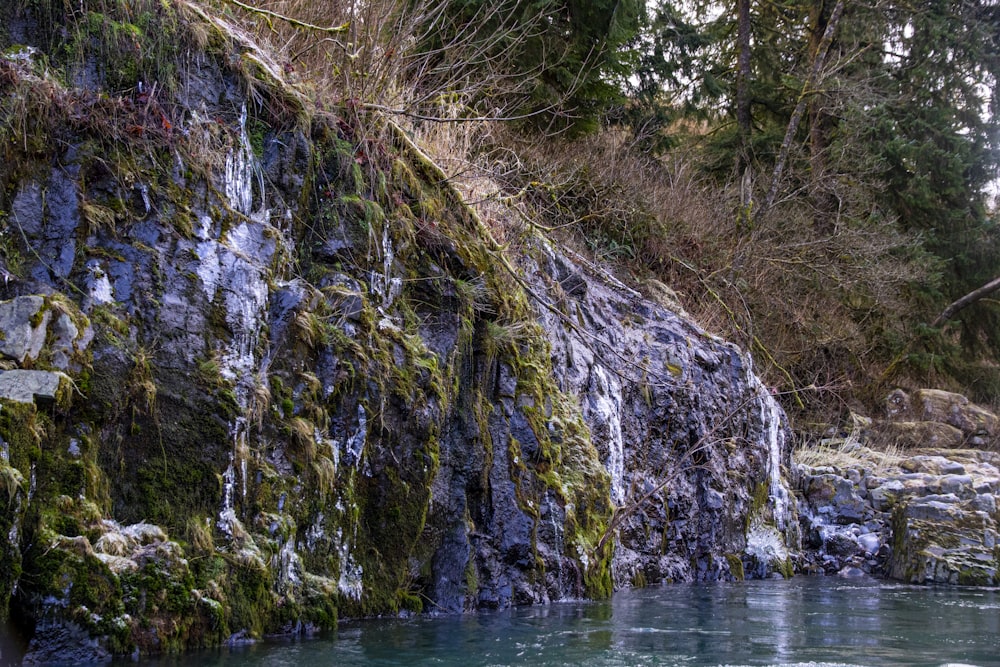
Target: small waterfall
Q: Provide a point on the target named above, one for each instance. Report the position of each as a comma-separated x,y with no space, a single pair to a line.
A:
289,564
246,300
245,294
237,266
350,582
242,171
384,285
227,515
771,415
315,532
558,542
605,410
209,269
144,192
243,475
15,527
354,445
766,545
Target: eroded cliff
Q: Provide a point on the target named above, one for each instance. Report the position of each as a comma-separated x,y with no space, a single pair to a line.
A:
278,371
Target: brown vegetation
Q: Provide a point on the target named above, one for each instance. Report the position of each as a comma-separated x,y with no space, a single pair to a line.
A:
826,309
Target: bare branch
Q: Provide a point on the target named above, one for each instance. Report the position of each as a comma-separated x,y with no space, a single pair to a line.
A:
295,22
968,299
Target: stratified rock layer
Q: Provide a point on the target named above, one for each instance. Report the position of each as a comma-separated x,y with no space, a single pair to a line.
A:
932,519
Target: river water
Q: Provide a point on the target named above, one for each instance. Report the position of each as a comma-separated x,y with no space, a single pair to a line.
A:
803,621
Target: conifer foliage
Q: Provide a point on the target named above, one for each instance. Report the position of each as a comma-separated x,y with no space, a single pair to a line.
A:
886,131
568,57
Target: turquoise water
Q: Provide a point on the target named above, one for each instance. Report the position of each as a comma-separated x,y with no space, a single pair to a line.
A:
804,621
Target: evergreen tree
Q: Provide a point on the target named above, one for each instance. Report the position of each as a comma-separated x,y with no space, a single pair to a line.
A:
569,58
895,130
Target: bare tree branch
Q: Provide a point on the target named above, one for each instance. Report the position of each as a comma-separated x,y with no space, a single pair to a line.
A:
968,299
268,14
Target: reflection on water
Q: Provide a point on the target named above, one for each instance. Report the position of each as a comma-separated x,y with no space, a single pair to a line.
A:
805,621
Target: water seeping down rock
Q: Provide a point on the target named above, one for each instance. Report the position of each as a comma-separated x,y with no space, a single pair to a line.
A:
289,376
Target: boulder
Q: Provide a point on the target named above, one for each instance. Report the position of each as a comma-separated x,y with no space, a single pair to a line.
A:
956,410
945,543
977,425
23,324
918,434
33,327
837,497
930,519
33,386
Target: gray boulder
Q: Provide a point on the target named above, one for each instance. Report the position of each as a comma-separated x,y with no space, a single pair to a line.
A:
33,386
937,510
23,325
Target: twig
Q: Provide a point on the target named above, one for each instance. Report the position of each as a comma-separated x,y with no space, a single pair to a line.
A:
453,119
295,22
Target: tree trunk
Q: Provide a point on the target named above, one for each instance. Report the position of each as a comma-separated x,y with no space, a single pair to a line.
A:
821,126
968,299
808,89
743,117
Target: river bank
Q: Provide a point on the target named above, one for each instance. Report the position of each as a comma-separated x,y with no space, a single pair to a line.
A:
904,499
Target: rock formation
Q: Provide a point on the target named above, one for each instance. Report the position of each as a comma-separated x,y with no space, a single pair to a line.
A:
927,514
263,367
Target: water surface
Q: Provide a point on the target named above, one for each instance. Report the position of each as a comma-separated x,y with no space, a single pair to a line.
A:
803,621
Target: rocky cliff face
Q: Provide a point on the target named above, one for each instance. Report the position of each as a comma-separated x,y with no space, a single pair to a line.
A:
261,367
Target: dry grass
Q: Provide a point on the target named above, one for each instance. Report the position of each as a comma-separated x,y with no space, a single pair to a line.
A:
849,452
818,308
388,54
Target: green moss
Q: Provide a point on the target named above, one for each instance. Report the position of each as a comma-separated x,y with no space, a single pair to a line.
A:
13,491
758,503
135,41
735,567
405,600
248,598
974,576
22,428
256,133
471,578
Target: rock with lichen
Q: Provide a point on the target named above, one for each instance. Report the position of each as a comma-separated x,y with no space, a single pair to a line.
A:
931,518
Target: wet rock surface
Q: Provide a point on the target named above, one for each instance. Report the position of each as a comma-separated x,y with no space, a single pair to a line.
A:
919,506
282,374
